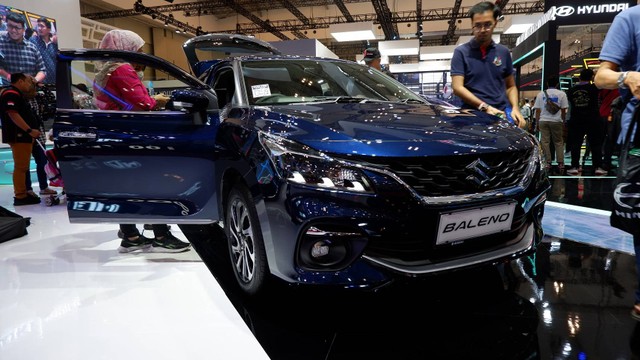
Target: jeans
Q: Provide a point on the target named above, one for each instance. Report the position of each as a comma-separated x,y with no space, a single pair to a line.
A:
41,160
594,130
130,230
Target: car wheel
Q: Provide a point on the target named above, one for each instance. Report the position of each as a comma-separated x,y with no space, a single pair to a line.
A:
244,237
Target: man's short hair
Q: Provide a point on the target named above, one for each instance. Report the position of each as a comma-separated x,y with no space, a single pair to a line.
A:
553,81
15,77
11,16
45,21
586,74
371,54
481,7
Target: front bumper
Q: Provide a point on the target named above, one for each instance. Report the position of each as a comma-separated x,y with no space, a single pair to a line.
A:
371,241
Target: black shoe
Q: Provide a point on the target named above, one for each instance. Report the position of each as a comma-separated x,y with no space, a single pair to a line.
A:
141,243
169,244
28,200
146,227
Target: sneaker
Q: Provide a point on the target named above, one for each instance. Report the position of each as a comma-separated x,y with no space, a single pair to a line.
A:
32,193
127,246
574,171
28,200
600,172
635,312
48,191
146,227
169,244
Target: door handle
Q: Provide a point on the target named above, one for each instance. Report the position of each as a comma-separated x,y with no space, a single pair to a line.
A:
77,135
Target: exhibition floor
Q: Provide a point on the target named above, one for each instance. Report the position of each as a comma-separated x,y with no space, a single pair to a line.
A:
66,293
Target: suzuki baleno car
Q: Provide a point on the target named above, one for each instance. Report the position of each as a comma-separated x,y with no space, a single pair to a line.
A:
321,171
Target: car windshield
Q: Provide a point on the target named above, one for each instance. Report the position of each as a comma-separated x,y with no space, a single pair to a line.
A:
303,81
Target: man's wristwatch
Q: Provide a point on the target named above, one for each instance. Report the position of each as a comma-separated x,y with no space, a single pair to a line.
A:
621,80
28,131
483,107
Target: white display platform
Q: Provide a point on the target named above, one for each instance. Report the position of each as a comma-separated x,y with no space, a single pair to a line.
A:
66,293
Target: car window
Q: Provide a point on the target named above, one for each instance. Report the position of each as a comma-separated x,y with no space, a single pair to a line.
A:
291,81
224,85
91,78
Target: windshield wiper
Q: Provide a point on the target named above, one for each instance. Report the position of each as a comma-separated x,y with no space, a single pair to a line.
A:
413,101
340,99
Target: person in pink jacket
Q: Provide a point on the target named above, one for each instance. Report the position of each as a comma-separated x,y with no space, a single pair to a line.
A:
118,85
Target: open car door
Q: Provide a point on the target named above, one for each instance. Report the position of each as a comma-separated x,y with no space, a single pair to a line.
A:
135,166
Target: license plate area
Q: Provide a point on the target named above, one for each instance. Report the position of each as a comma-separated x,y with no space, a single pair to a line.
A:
484,220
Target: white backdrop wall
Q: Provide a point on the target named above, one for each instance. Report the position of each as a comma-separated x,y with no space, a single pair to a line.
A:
65,12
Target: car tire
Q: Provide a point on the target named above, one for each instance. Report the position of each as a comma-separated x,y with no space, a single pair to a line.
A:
245,243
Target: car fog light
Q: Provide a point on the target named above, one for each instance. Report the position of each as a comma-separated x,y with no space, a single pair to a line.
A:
327,252
319,249
329,247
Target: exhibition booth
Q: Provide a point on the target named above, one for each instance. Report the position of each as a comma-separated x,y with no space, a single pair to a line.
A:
565,39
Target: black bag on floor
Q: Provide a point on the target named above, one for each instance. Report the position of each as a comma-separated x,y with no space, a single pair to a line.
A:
12,225
625,212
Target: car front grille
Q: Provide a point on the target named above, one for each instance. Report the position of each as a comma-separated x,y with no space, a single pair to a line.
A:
410,249
456,174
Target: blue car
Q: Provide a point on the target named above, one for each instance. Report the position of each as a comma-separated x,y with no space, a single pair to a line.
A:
321,171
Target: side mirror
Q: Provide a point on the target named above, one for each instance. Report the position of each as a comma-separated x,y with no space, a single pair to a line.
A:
188,101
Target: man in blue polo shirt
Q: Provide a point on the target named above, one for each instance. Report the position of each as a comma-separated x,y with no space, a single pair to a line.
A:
482,71
620,68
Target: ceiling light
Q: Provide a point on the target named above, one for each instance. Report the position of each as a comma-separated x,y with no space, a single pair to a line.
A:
399,47
422,66
517,24
354,31
436,52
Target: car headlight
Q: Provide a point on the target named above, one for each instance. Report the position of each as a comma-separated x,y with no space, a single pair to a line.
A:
301,164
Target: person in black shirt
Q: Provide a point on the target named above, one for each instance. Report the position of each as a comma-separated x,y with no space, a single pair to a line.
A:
19,129
585,120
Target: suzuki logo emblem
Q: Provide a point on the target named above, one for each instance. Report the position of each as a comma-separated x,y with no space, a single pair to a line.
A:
564,11
478,173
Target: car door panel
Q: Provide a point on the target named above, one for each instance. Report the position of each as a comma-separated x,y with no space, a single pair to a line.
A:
128,166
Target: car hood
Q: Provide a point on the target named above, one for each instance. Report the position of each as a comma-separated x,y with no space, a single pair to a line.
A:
391,129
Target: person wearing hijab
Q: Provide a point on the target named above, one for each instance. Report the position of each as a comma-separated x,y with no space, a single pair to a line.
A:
118,86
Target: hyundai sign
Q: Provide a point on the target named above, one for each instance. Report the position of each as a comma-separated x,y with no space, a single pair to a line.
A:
582,12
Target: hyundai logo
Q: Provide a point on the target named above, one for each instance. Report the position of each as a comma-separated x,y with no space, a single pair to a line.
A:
478,173
620,196
564,11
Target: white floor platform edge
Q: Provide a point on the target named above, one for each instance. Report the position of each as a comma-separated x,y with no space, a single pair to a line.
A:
66,293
